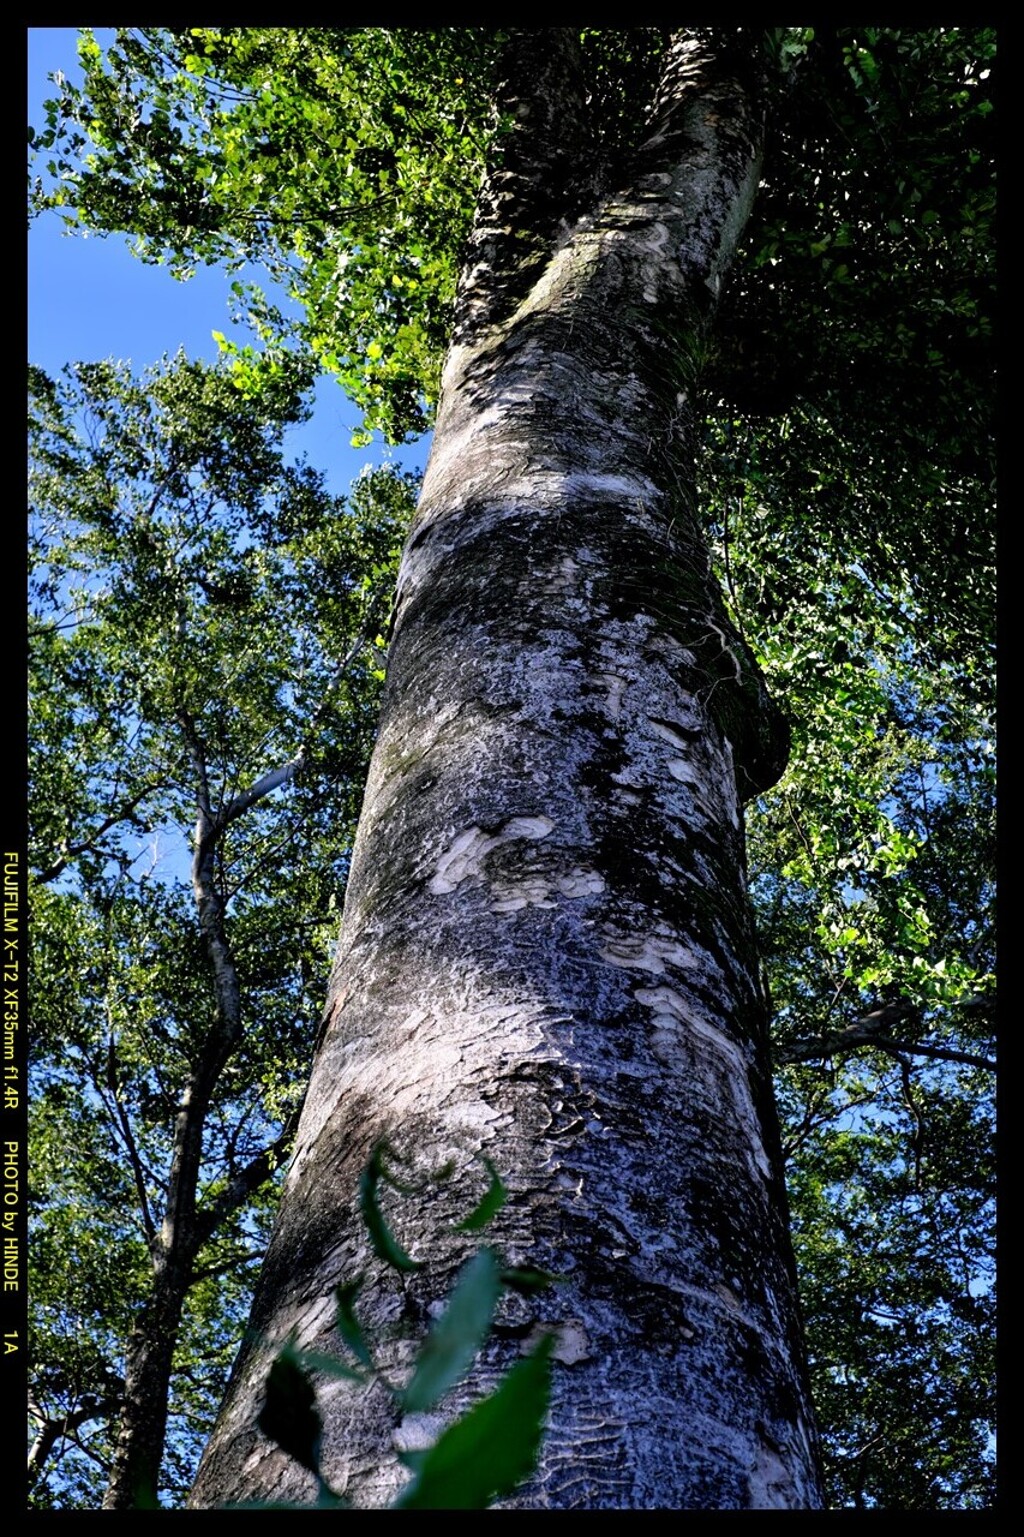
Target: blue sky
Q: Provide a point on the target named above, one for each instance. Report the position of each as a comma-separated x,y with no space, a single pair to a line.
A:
90,298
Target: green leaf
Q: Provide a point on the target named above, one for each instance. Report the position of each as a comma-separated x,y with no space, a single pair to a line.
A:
490,1202
527,1279
347,1324
492,1448
385,1245
290,1415
458,1334
319,1361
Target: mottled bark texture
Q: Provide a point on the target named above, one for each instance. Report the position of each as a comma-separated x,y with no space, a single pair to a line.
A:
547,953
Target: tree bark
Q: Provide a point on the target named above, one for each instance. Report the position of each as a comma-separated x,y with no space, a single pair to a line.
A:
142,1419
547,954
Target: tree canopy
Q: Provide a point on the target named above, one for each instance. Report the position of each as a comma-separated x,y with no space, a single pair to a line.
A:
846,476
205,644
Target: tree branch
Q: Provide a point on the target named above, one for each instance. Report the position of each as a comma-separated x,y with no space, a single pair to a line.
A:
71,851
285,772
856,1037
62,1427
127,1136
246,1182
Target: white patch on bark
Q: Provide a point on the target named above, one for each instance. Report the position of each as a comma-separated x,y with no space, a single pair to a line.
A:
564,580
672,1016
317,1319
672,737
732,804
580,882
534,890
628,776
680,769
729,1297
571,1343
464,859
772,1485
531,891
616,687
417,1432
436,1048
457,444
648,952
540,487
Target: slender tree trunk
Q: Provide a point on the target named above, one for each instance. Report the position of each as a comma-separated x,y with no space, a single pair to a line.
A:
149,1355
142,1424
547,953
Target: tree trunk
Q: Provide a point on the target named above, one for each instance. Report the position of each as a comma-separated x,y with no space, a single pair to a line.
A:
149,1354
142,1422
547,955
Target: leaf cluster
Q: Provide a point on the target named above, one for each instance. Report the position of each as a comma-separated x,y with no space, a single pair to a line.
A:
867,285
481,1455
344,162
847,484
205,619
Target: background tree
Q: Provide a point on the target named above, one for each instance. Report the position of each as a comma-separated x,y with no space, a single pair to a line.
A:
850,498
205,660
872,867
846,462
